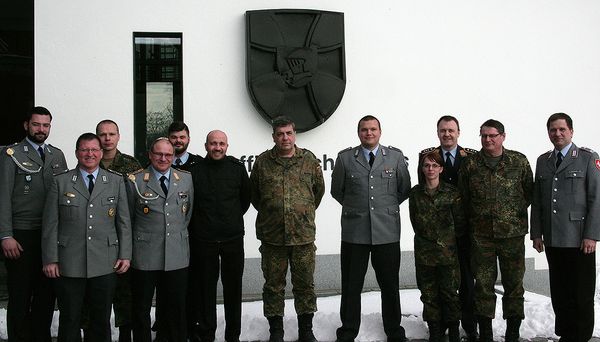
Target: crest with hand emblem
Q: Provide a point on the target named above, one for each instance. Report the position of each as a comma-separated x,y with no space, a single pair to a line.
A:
295,64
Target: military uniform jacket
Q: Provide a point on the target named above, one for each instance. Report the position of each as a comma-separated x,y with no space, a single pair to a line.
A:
286,193
496,199
23,188
123,163
160,234
449,175
370,197
86,233
437,220
566,201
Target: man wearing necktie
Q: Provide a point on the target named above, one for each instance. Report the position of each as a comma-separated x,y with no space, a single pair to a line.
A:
377,176
448,131
179,136
86,241
26,173
565,219
161,201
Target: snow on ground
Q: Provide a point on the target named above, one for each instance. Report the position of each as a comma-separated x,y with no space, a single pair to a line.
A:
539,319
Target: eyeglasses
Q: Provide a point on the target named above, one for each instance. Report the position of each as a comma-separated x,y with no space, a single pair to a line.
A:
161,155
491,136
88,150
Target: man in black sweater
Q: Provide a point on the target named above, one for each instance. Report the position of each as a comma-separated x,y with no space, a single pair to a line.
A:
222,196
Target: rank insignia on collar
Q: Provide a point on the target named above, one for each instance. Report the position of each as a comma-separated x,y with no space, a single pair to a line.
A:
111,212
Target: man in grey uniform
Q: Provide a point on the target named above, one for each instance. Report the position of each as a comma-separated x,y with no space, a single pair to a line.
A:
26,172
378,177
162,201
565,218
86,241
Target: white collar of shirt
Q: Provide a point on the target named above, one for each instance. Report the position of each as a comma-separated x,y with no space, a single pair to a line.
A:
564,151
452,153
366,151
34,145
84,175
184,157
158,174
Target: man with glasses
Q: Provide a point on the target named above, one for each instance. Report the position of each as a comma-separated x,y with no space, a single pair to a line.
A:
162,202
496,185
86,241
26,173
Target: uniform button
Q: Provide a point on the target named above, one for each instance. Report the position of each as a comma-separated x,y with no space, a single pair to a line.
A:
554,200
168,234
555,189
554,211
68,201
145,202
555,178
90,227
168,224
167,203
574,174
111,201
371,176
167,214
91,205
91,216
372,197
371,187
372,208
89,237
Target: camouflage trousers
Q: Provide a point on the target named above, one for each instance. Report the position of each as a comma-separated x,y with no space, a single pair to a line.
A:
274,264
510,253
439,291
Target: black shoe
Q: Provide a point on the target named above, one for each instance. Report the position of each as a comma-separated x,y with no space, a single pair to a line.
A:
305,332
275,328
125,333
485,329
512,330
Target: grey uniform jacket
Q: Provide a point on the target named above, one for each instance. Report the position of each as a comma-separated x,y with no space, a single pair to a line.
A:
566,201
160,235
86,233
370,197
23,188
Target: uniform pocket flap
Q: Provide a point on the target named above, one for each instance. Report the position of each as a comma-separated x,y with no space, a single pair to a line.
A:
63,241
576,216
113,240
142,237
574,174
110,200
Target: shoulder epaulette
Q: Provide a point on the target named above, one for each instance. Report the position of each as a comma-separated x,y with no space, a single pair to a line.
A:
62,172
136,171
394,148
115,172
345,150
184,171
309,153
54,147
587,149
469,150
427,150
234,160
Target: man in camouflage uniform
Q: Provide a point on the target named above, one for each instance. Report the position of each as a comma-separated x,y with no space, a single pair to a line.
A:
496,185
287,187
452,154
27,170
112,159
437,217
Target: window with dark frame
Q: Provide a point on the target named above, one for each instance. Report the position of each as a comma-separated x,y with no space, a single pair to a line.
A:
158,87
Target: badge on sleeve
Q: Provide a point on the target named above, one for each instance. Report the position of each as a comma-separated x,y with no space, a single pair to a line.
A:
598,164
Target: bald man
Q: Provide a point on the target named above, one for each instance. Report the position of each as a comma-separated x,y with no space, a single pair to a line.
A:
222,188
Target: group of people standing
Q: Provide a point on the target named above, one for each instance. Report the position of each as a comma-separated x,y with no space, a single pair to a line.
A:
110,233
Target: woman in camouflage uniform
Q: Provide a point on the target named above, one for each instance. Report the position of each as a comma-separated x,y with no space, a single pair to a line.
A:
437,218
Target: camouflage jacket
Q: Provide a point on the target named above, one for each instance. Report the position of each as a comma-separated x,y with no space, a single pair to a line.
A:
286,193
496,199
437,220
123,164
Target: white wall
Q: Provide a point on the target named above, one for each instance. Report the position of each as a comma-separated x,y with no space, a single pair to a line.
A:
407,62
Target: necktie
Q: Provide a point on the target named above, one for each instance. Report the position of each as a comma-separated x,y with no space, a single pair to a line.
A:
163,185
41,152
448,163
371,159
91,183
559,158
178,162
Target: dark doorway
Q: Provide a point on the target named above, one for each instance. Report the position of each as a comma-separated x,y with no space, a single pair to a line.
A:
16,67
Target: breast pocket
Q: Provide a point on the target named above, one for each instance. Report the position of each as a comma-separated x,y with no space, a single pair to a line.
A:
389,181
68,207
575,181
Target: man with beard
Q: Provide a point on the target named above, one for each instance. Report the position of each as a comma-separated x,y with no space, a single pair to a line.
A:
86,241
26,172
179,136
112,159
222,197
